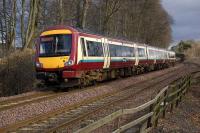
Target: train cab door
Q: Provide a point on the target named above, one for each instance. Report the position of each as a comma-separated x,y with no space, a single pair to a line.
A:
82,50
106,53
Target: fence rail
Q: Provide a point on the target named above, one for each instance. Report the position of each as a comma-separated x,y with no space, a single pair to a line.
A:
169,96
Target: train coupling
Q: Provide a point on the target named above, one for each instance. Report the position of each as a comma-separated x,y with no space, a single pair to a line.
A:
47,76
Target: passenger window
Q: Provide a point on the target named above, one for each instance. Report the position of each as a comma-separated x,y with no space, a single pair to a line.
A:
113,52
83,46
133,51
94,48
150,53
121,51
141,52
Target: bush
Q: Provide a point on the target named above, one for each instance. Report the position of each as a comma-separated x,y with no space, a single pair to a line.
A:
17,73
194,51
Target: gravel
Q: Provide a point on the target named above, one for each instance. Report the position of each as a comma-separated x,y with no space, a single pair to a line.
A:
26,111
18,96
132,102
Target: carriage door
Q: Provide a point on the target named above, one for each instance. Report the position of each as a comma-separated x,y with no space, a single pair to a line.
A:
106,53
136,55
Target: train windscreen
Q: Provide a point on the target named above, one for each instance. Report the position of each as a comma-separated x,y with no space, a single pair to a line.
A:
55,45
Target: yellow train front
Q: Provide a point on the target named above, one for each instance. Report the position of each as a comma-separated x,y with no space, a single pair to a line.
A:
55,54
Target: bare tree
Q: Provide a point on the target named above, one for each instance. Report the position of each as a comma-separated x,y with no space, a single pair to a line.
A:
144,21
110,7
8,23
84,13
61,12
22,22
13,24
31,26
82,7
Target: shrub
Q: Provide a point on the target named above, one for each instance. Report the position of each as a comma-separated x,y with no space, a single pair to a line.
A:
17,73
194,51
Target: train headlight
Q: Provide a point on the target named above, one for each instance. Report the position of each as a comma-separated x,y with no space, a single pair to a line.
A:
38,65
69,63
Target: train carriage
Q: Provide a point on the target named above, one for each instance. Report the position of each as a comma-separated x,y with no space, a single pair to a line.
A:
68,55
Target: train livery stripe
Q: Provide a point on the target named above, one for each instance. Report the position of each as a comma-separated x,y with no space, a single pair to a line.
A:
91,61
121,60
112,60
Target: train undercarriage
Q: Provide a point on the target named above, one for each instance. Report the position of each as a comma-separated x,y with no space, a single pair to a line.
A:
91,77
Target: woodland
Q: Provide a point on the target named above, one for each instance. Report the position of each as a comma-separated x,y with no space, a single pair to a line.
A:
21,22
143,21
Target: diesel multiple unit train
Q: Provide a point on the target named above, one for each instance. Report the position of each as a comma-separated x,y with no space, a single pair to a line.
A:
69,56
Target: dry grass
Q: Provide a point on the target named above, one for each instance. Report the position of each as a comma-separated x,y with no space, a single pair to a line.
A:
17,73
194,51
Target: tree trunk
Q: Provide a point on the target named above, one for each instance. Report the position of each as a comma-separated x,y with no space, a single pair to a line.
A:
13,24
111,7
31,23
5,24
22,22
61,12
84,13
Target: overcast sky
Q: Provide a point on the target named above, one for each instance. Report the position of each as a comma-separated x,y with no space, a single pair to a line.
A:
186,16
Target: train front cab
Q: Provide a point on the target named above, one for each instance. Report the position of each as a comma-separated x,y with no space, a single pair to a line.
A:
55,53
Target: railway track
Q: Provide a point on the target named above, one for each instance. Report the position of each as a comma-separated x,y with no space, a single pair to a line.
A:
37,97
20,101
77,120
68,116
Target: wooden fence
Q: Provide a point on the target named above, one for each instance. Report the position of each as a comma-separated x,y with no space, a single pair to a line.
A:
168,97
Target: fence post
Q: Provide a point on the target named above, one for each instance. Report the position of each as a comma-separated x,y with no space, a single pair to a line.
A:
143,127
156,121
177,100
164,104
183,81
189,80
181,95
186,88
156,112
118,124
188,84
149,122
172,106
172,103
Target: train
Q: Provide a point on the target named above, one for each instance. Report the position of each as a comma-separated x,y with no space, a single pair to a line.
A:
73,57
